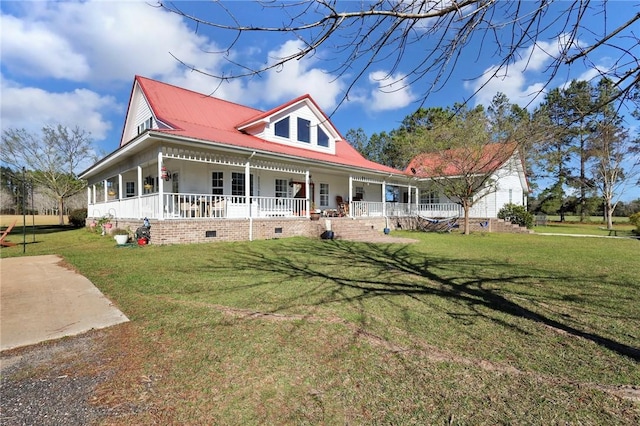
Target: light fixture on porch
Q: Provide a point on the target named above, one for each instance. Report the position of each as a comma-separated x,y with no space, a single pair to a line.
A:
164,173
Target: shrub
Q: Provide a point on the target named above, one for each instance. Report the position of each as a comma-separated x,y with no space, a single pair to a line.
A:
78,217
516,214
634,219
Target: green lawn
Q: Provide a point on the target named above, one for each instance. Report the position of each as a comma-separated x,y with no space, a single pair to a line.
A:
479,329
622,229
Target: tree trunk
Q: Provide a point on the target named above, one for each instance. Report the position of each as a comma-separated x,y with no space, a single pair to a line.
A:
60,210
608,211
466,207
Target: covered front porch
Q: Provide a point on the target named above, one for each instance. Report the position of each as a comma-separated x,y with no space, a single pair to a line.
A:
206,206
179,183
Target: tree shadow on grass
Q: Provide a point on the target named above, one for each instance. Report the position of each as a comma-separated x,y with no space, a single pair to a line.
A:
392,269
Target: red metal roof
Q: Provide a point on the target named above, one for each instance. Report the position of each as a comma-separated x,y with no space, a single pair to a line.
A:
461,161
197,116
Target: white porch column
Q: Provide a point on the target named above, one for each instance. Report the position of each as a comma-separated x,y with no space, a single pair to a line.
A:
384,198
306,191
140,188
104,184
89,198
120,186
160,188
350,196
247,185
417,200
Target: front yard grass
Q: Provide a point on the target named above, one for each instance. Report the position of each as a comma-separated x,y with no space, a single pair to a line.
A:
479,329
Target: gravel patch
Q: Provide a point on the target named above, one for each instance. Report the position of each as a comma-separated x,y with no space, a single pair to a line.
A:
54,383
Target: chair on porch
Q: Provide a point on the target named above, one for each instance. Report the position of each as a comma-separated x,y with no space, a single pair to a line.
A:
188,209
343,208
217,209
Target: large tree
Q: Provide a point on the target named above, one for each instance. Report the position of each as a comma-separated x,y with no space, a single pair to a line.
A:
51,158
615,156
461,158
367,34
580,110
554,144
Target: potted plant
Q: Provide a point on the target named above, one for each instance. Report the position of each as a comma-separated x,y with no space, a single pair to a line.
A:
314,214
121,236
104,223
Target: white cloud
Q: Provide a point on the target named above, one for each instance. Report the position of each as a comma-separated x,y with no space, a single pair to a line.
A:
98,41
33,49
512,80
32,108
391,92
294,79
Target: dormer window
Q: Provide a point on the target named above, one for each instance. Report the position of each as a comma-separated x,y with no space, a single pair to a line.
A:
304,130
323,139
282,128
147,124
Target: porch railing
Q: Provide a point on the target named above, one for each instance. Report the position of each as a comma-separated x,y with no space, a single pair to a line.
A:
193,205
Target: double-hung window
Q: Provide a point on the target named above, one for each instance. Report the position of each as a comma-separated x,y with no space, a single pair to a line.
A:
217,183
237,184
129,189
324,195
281,188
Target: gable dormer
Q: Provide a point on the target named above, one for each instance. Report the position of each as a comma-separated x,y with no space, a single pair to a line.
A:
140,116
299,123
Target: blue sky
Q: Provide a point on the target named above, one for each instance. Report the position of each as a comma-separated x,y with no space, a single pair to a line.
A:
74,63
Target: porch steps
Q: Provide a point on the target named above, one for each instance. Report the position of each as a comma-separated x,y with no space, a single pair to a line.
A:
349,229
500,225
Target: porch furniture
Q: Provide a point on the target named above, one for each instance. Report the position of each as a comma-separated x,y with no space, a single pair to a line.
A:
343,207
4,243
438,225
189,210
330,213
217,209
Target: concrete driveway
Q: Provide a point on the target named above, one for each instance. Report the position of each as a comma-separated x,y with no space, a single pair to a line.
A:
41,300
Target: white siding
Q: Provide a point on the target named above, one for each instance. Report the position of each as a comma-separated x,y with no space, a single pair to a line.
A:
300,110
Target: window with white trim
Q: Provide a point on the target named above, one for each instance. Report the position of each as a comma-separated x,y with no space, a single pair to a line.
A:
237,184
304,130
429,197
147,124
217,183
324,195
323,138
129,189
281,188
281,128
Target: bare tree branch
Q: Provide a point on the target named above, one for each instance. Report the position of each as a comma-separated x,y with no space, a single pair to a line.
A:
382,31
